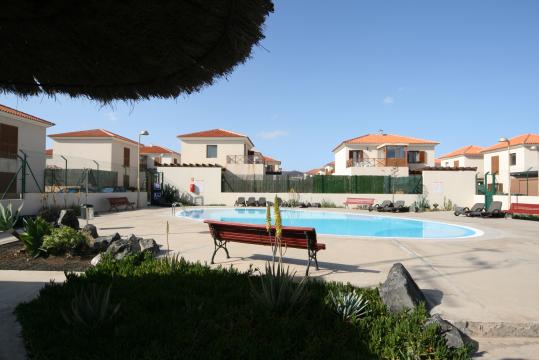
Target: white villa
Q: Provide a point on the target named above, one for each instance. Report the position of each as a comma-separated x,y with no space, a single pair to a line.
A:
96,149
383,154
20,134
155,155
466,156
520,159
233,151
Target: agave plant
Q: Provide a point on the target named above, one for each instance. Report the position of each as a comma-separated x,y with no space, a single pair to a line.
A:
279,292
32,238
8,217
91,309
349,306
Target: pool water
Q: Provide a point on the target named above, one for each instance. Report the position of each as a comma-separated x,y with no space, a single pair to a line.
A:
338,223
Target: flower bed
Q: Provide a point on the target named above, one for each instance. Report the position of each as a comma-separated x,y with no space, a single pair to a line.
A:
172,309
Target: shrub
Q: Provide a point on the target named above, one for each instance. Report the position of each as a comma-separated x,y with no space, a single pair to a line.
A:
170,194
50,213
8,217
32,238
64,239
349,305
448,205
327,204
91,309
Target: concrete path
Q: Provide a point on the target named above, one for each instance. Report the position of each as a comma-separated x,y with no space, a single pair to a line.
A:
486,280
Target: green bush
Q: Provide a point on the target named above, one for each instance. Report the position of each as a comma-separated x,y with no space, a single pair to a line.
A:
35,230
327,204
64,240
172,309
8,217
50,213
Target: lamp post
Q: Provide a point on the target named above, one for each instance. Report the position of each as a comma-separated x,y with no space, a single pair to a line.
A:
506,140
142,133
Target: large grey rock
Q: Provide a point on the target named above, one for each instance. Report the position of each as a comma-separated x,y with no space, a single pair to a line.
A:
68,217
95,260
399,291
454,338
149,245
101,243
91,229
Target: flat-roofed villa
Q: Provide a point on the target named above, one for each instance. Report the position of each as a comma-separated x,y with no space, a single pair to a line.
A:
231,150
466,156
383,154
519,158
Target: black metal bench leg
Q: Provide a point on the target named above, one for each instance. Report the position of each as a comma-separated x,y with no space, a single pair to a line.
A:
315,260
219,245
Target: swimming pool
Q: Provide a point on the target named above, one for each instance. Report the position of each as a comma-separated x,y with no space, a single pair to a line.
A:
339,223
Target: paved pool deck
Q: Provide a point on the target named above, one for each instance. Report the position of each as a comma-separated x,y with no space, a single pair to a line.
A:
489,281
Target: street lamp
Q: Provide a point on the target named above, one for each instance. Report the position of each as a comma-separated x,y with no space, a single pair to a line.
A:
142,133
506,140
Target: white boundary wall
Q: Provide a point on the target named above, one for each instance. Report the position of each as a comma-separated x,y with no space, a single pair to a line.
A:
33,202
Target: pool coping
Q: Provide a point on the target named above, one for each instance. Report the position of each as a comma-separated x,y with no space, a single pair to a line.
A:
477,232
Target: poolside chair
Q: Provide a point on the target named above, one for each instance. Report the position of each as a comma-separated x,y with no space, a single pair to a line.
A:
494,210
400,207
316,205
240,202
251,202
466,210
262,201
386,205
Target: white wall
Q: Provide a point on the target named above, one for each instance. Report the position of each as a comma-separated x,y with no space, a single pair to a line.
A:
33,202
457,186
80,153
31,139
208,181
465,161
118,161
526,159
194,150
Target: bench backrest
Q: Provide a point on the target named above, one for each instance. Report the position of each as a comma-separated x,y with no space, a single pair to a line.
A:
118,200
228,231
524,208
360,201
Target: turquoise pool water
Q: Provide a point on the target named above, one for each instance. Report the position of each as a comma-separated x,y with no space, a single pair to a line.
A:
337,223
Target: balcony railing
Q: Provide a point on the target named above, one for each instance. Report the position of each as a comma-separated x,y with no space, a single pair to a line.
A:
244,159
377,162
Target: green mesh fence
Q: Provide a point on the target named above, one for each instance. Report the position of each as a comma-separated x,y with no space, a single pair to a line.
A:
328,184
77,178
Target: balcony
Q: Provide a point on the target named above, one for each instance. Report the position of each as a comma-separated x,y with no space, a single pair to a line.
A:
377,162
244,159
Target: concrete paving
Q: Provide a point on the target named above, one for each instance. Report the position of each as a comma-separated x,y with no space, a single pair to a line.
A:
486,280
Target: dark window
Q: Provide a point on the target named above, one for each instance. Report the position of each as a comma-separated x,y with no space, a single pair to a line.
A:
416,157
9,144
127,156
8,179
512,159
395,152
126,181
211,151
175,161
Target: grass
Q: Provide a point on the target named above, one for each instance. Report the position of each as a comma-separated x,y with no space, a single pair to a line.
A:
178,310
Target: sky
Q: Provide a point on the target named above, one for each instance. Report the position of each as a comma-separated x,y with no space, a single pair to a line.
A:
458,72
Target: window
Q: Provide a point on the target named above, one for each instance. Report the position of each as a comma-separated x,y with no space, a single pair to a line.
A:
456,164
512,159
495,164
395,152
9,144
355,155
211,151
7,179
127,156
175,161
416,157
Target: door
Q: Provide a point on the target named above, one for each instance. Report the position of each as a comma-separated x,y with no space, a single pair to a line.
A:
456,163
495,165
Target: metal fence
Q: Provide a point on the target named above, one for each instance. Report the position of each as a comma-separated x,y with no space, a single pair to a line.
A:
327,184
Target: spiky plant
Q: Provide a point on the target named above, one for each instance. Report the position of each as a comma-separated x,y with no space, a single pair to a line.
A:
32,238
8,217
91,309
350,306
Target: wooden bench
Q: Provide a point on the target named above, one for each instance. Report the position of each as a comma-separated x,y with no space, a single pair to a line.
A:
292,237
120,201
521,208
358,201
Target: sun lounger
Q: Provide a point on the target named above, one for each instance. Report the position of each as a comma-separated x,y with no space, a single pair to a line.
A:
262,201
494,210
386,205
251,202
240,202
466,210
400,207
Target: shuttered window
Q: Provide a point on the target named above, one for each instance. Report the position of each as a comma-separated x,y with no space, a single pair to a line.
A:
9,144
495,164
127,156
456,163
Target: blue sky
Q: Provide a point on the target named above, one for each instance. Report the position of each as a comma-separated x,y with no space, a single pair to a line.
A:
459,72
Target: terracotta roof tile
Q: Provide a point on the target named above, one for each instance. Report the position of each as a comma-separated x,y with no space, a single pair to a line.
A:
212,133
525,139
386,139
469,150
18,113
155,149
267,158
48,152
93,133
313,172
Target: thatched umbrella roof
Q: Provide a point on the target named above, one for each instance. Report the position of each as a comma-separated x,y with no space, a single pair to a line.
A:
124,49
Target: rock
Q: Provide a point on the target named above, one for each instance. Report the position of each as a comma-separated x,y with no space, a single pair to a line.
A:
96,259
91,229
454,338
119,249
101,243
399,291
149,245
68,217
